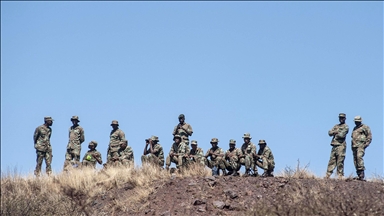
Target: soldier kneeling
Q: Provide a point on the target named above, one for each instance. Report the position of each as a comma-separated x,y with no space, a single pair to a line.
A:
264,159
92,156
177,154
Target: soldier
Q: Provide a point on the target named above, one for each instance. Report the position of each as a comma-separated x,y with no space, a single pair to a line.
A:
232,157
92,156
216,161
248,149
361,138
42,142
183,129
125,154
177,154
338,132
116,136
265,160
155,153
76,138
196,154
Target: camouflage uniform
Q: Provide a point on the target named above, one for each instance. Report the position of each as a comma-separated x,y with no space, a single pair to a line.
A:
89,160
336,159
248,150
232,158
42,143
181,150
361,138
183,132
265,160
198,155
76,138
126,156
157,156
114,143
215,161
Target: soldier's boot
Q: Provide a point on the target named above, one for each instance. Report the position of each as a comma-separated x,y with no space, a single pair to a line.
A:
327,175
230,172
246,174
361,175
167,167
224,172
255,173
358,175
340,176
235,173
270,173
37,173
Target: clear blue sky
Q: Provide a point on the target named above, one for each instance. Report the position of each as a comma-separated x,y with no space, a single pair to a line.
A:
281,71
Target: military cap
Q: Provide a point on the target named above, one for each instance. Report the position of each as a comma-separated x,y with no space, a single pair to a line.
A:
181,116
193,142
358,119
123,142
176,136
262,142
214,140
232,142
115,122
154,138
247,135
342,115
93,142
46,118
75,118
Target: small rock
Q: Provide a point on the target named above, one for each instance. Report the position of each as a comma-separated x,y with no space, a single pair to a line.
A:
211,178
232,194
259,196
166,213
201,210
192,184
212,183
218,204
198,202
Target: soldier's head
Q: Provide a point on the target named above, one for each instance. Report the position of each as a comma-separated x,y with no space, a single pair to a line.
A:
358,120
247,138
75,120
342,118
181,118
194,144
92,145
232,144
123,144
214,142
154,139
48,120
262,143
115,124
177,139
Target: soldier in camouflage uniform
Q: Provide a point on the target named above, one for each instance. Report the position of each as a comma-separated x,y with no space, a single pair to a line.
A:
232,157
177,154
338,134
116,136
216,161
125,154
248,150
42,143
92,156
196,154
265,160
155,153
184,130
76,138
361,138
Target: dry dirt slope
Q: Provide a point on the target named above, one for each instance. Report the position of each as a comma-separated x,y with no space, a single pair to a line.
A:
228,195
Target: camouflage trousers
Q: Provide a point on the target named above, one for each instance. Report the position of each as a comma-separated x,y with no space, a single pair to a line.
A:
178,160
336,159
150,158
88,164
218,162
72,157
248,162
358,154
233,164
198,160
266,164
40,156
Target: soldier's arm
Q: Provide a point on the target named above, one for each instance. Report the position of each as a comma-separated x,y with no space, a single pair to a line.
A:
98,158
174,130
130,153
221,153
122,135
189,130
333,131
342,133
82,137
36,135
368,135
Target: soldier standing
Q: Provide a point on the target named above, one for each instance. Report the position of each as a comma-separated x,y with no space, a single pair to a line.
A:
361,138
265,160
116,136
196,154
216,155
183,129
76,138
154,154
248,150
177,154
232,157
92,156
125,154
338,132
42,143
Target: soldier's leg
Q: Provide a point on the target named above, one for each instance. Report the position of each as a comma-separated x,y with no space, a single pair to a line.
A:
360,160
68,159
168,162
354,151
332,162
39,162
76,156
144,159
48,161
179,162
340,160
253,166
221,165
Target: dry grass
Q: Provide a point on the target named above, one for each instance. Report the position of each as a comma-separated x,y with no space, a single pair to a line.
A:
298,172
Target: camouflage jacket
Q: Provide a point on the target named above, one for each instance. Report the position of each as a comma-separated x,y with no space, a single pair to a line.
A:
115,138
199,153
126,154
218,150
339,138
157,151
182,132
248,149
89,158
266,153
235,154
76,137
42,138
361,136
180,149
